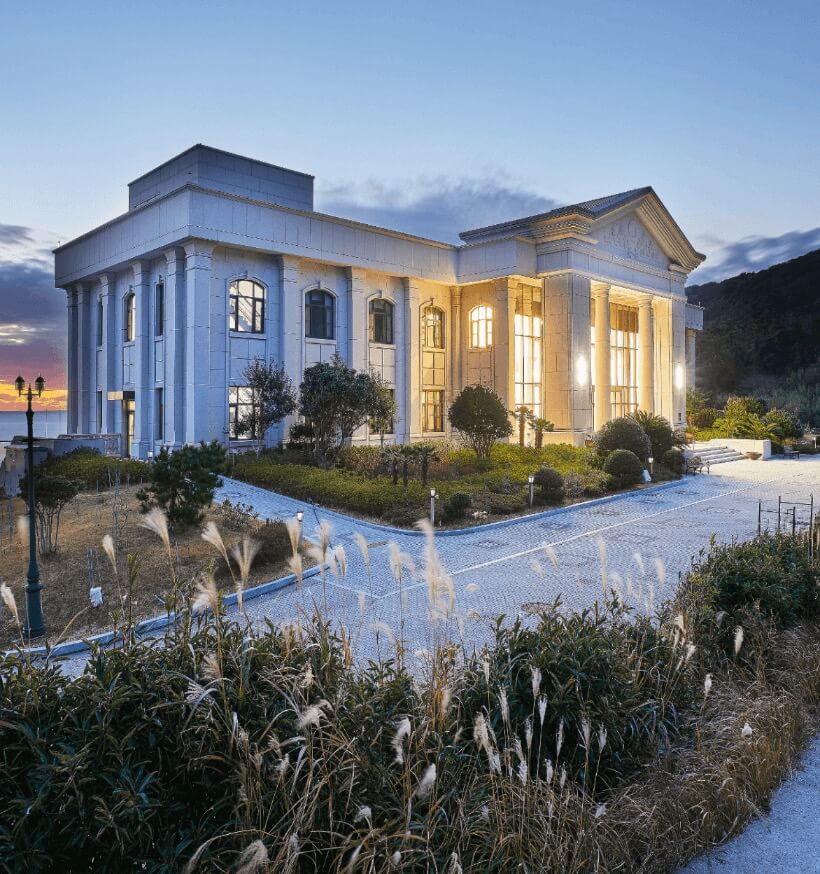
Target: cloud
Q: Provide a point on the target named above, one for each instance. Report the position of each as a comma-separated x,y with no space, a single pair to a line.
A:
434,207
32,330
15,235
752,253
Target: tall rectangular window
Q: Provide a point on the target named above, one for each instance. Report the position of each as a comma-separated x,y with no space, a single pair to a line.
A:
100,321
99,412
159,309
433,410
527,352
246,307
623,346
159,414
242,406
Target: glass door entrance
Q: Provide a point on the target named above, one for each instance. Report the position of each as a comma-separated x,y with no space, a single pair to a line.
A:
129,407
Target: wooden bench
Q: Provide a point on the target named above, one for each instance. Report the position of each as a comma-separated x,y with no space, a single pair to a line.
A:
791,452
693,464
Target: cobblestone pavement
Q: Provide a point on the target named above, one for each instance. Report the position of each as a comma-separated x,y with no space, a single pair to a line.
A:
639,542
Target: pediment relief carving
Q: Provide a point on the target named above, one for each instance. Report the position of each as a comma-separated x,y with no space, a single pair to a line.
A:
628,236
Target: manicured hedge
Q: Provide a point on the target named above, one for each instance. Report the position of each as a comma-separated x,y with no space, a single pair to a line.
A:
96,471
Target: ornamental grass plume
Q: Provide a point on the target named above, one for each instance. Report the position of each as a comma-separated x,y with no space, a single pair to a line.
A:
361,542
155,520
7,597
210,534
427,782
738,639
294,564
340,555
108,549
22,529
402,733
253,858
206,596
294,529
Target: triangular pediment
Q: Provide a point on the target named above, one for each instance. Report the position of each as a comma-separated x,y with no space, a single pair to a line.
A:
643,230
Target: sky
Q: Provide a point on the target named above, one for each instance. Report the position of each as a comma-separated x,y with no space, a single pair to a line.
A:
430,117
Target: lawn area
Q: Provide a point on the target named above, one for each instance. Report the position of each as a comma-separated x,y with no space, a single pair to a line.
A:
81,563
361,484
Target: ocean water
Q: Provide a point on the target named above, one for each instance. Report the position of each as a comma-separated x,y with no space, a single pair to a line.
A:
47,423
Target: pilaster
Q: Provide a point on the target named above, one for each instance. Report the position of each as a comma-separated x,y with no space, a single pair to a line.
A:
72,362
357,316
691,357
504,340
143,394
411,353
603,389
293,331
174,353
198,255
678,312
456,357
110,338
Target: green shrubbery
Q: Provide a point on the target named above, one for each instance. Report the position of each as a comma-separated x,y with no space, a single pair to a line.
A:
550,484
624,467
220,740
658,430
456,506
95,471
623,433
674,461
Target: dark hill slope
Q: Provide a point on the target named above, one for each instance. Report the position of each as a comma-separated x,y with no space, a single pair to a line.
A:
759,328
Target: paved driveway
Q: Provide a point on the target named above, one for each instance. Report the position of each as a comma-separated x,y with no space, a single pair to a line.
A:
640,543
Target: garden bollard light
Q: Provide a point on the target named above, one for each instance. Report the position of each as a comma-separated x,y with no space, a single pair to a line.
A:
531,482
433,506
299,518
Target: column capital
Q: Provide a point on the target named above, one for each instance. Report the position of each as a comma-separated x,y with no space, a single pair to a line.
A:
411,287
600,289
455,295
172,256
198,249
140,268
356,274
106,283
290,262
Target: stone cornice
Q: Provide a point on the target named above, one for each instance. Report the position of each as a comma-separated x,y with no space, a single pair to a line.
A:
586,248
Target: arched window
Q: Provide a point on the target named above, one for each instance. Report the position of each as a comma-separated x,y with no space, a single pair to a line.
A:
130,317
481,327
247,306
320,307
432,327
381,321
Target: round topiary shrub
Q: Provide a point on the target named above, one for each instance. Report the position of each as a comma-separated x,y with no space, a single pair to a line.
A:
673,460
623,433
550,483
624,467
457,505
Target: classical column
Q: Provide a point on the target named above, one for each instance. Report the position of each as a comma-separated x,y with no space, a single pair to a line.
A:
504,340
143,359
197,340
174,354
455,343
646,345
293,332
411,383
603,400
84,353
73,356
107,376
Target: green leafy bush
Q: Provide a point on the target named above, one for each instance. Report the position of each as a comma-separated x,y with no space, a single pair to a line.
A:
274,542
95,471
673,461
703,418
624,467
501,505
623,433
479,415
367,461
183,482
550,483
789,426
597,483
456,506
658,430
52,493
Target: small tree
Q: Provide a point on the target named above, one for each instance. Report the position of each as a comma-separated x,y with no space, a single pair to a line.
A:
425,453
273,399
51,494
540,426
382,407
183,482
337,400
479,415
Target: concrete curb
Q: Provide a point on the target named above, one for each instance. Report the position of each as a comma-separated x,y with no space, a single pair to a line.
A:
458,532
156,623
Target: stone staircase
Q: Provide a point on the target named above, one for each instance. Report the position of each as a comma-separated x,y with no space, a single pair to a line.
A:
711,455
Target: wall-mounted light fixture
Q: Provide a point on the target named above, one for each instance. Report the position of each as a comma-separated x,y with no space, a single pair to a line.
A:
678,376
581,371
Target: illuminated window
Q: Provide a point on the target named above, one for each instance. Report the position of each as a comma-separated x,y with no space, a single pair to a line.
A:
433,410
528,329
320,307
381,321
242,406
247,306
432,327
481,327
130,326
623,352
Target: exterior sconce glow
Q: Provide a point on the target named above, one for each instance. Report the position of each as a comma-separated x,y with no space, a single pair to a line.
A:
581,371
679,376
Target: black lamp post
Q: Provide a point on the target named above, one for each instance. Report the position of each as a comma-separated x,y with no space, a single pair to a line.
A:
34,608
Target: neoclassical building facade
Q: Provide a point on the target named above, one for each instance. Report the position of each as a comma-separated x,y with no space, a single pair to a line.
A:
579,313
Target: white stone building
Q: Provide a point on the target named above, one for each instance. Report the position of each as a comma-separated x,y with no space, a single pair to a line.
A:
578,313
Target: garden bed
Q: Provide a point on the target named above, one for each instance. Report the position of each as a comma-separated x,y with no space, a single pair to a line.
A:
496,489
81,562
